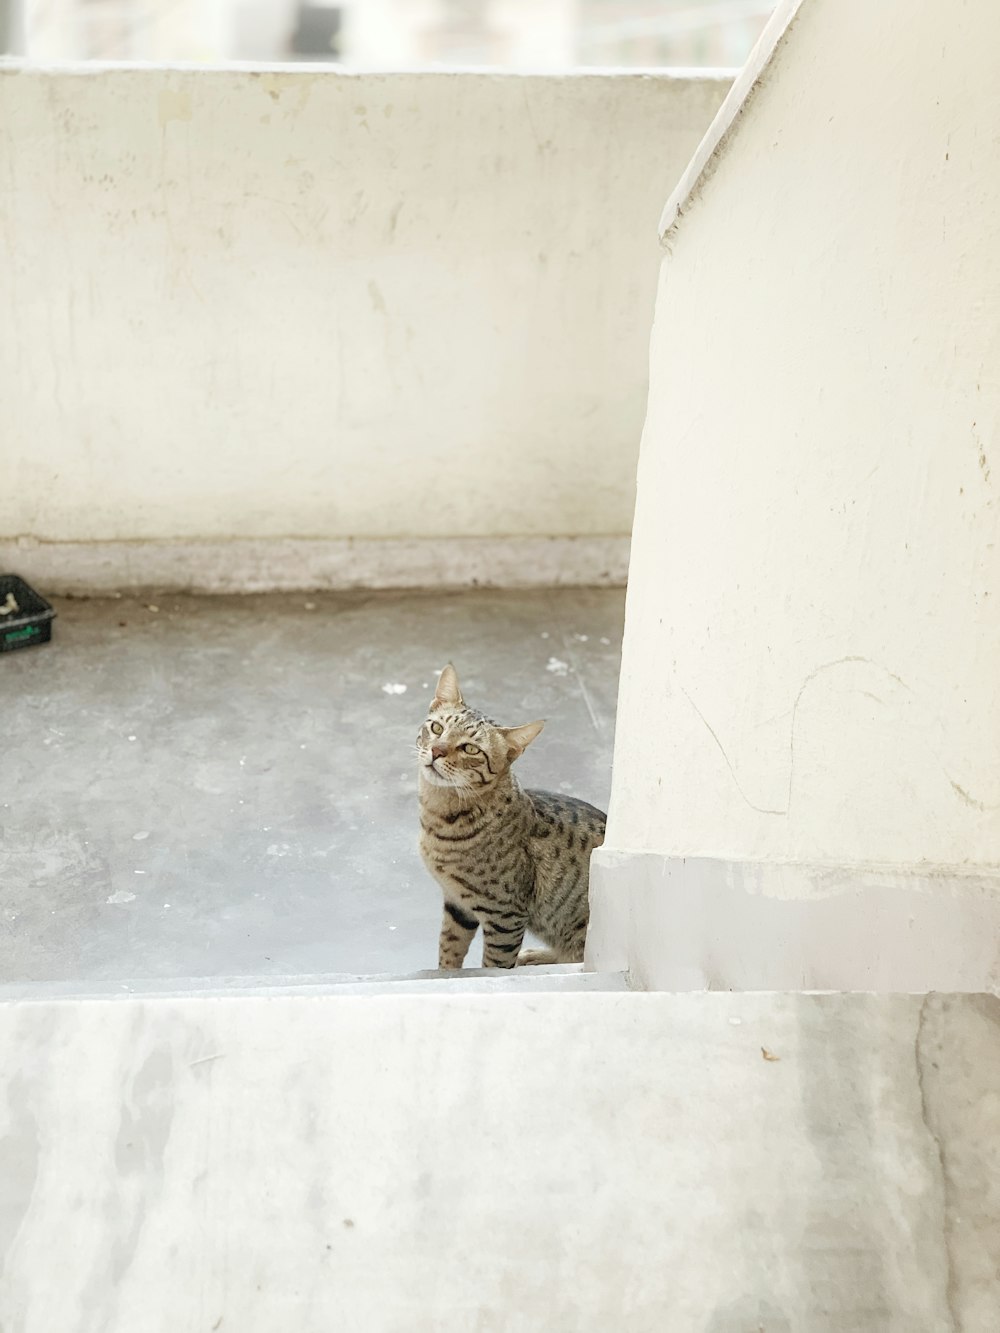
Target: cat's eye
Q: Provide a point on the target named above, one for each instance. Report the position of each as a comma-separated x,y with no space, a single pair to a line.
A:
472,749
437,728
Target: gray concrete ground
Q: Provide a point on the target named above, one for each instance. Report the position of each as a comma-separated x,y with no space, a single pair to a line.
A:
225,786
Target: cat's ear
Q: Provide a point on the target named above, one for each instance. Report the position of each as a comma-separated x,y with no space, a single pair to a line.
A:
447,690
519,738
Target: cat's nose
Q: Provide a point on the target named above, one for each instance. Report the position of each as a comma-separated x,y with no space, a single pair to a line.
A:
438,751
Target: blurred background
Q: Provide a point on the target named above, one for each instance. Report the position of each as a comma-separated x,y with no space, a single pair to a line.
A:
395,34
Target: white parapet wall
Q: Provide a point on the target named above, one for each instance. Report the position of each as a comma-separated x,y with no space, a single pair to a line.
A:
328,328
810,704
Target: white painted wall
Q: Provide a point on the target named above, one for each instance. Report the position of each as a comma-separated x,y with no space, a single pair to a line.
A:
11,27
812,652
134,29
310,304
518,34
812,659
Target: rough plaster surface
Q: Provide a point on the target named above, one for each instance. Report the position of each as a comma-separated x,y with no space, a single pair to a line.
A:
811,669
309,304
542,1162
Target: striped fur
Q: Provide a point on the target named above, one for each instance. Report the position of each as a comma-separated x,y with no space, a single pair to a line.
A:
506,859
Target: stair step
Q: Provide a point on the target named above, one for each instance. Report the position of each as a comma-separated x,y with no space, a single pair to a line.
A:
474,981
530,1163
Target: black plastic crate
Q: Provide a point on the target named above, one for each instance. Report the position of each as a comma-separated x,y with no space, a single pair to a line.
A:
30,623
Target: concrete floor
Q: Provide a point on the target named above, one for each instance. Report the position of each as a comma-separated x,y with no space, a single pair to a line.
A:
224,786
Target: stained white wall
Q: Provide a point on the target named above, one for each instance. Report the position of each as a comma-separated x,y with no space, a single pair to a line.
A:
812,652
303,303
812,655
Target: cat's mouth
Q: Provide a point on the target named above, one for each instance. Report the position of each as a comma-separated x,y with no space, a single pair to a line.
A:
434,776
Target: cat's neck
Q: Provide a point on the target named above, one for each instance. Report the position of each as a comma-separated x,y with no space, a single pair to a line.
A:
451,800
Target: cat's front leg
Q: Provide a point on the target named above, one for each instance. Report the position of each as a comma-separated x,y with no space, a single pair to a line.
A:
457,929
502,937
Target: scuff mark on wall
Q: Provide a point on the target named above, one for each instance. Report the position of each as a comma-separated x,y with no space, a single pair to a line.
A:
971,800
984,465
377,299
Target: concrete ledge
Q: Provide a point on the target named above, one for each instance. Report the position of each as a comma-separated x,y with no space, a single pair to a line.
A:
702,924
291,564
467,980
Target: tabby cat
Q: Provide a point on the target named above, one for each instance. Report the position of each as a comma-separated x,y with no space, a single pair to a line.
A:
506,859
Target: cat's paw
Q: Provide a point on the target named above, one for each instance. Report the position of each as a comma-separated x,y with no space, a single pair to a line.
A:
536,957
